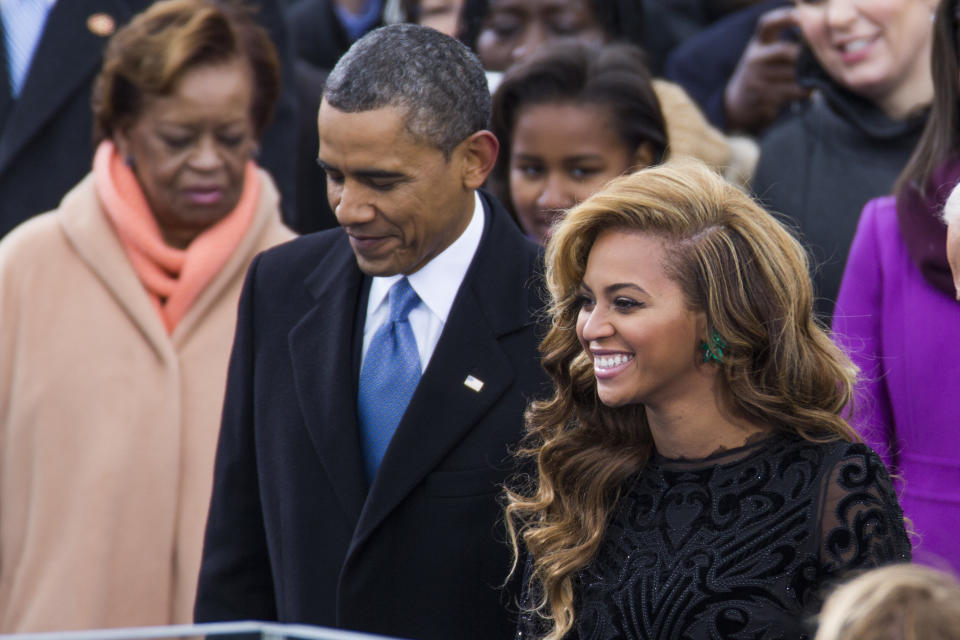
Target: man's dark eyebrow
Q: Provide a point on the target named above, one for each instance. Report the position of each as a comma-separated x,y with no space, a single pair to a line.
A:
370,174
379,174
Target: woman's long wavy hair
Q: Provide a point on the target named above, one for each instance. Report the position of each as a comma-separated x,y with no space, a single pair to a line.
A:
739,265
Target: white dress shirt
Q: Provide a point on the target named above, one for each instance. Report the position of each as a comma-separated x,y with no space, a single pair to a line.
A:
436,283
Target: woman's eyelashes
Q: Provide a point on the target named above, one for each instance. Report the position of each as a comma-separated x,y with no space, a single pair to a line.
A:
584,301
620,304
625,304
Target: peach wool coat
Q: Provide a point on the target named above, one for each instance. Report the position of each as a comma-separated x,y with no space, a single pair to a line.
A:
108,425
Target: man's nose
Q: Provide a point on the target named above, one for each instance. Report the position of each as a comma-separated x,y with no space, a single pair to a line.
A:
348,204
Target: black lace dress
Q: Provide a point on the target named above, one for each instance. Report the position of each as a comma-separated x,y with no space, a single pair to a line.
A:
738,545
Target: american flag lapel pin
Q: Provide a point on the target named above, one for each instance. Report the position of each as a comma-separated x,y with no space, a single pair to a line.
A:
473,383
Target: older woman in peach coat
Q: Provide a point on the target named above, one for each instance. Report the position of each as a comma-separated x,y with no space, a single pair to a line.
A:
117,314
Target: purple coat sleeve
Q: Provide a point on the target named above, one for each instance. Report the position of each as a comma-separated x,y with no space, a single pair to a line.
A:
858,330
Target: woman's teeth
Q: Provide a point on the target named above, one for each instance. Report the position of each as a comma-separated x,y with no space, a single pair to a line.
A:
609,362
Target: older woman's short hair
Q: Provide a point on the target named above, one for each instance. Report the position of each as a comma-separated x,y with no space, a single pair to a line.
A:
898,602
148,56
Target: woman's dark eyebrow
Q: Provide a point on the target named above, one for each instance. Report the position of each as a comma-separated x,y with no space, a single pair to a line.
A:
613,288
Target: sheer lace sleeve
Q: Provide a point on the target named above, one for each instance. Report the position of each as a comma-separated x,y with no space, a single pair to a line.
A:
531,625
861,523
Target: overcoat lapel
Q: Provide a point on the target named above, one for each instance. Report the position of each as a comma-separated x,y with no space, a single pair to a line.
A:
321,350
66,56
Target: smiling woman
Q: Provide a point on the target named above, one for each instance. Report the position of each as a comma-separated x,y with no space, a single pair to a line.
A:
694,456
117,312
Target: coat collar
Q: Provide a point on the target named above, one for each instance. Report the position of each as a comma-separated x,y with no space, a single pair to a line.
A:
89,231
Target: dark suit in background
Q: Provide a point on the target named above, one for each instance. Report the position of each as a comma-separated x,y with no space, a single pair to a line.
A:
46,142
318,40
292,534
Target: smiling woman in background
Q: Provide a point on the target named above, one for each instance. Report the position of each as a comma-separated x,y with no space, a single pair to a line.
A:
569,119
118,312
868,62
695,476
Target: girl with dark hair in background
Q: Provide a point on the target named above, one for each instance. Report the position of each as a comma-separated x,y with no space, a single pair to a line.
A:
569,119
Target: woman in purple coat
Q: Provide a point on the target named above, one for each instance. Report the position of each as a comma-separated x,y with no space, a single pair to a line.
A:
898,317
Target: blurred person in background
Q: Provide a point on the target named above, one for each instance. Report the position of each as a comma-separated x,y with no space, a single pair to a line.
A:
741,69
569,118
511,30
902,602
868,62
118,311
50,54
897,316
695,477
321,31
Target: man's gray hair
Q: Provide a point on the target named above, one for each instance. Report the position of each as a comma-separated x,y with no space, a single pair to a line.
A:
437,80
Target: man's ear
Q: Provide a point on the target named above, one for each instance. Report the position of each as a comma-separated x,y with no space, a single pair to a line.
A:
479,154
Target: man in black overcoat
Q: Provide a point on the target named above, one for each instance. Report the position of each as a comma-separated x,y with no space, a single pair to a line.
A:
310,521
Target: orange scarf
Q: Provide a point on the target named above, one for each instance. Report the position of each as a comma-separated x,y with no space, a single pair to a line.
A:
172,277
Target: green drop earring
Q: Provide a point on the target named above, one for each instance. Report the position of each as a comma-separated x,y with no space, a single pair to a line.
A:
714,349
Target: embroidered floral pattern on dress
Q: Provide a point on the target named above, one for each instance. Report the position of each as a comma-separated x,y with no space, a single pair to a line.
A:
742,544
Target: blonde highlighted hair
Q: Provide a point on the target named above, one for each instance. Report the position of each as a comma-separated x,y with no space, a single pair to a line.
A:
899,602
733,261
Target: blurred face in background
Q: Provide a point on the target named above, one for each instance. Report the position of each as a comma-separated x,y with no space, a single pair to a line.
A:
515,28
561,154
189,149
879,49
442,15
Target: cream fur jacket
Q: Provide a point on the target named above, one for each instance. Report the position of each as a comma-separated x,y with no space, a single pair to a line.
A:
108,425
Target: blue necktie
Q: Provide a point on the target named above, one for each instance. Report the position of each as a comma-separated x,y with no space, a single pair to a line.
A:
388,377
